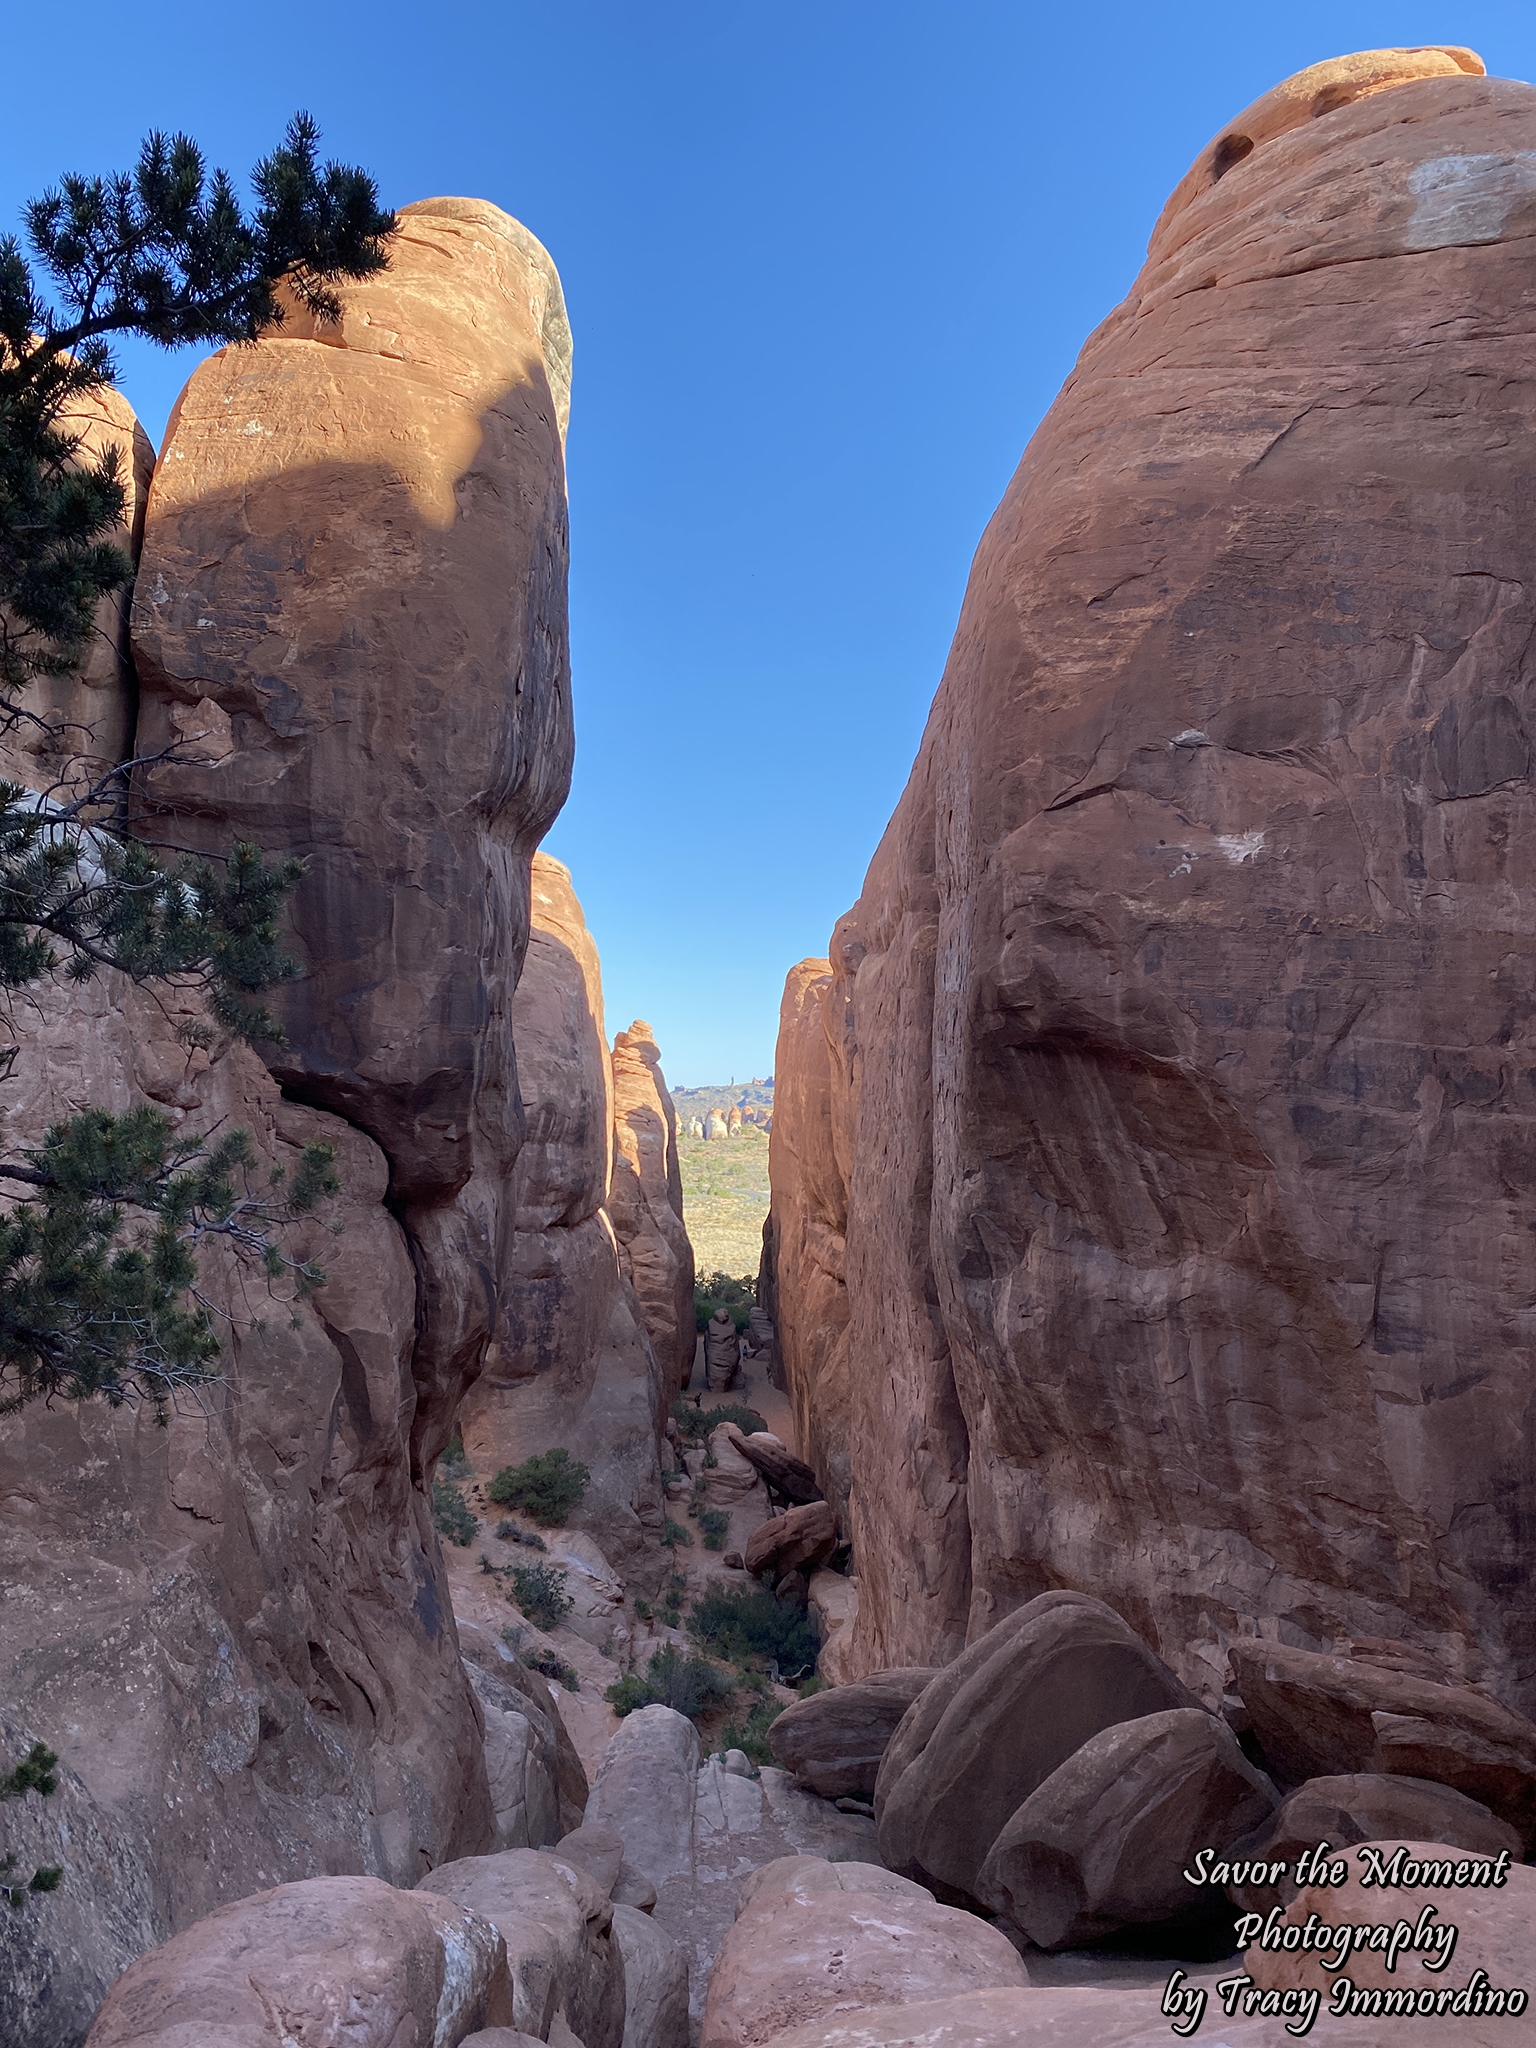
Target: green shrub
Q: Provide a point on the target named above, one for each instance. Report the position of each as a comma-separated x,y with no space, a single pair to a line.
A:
539,1590
642,1609
509,1532
746,1623
453,1464
714,1527
687,1684
809,1687
674,1535
547,1663
694,1425
546,1487
451,1515
720,1290
751,1735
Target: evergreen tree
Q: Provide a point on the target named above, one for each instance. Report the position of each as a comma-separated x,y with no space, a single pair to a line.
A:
98,1257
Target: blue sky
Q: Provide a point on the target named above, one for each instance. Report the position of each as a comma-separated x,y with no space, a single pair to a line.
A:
826,266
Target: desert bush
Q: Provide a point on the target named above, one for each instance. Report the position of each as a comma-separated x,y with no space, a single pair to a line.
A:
451,1514
539,1590
747,1625
674,1536
673,1678
546,1486
721,1290
714,1527
695,1425
751,1735
453,1464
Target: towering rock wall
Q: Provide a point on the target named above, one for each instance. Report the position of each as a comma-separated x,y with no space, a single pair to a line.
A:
802,1285
573,1362
351,607
1191,1071
350,612
645,1201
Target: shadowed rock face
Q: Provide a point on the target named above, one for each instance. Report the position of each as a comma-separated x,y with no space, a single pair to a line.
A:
351,612
351,605
1192,1077
573,1363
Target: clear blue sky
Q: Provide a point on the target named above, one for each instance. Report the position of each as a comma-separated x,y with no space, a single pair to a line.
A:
826,265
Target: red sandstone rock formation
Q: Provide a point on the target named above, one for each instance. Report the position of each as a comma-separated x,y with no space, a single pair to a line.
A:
81,723
1192,1185
353,585
351,611
645,1201
572,1363
801,1285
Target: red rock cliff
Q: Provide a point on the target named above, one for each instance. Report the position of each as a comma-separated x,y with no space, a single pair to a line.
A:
1191,1079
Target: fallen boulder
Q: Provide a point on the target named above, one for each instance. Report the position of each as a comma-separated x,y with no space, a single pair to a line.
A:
557,1925
1323,1716
1104,1842
484,1653
782,1472
834,1741
1366,1806
655,1982
304,1960
995,1724
798,1540
804,1877
792,1958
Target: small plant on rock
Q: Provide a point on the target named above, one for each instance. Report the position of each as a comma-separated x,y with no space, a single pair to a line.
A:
37,1772
673,1678
674,1536
748,1625
714,1527
451,1514
696,1425
539,1590
546,1486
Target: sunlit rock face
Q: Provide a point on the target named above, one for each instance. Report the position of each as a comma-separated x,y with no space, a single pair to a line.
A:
1189,1058
573,1363
350,621
351,611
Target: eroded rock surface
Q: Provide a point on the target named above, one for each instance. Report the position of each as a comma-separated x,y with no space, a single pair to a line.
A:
645,1202
572,1363
1183,1022
353,586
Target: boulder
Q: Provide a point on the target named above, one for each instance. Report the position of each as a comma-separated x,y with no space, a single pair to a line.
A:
805,1877
500,2037
655,1982
645,1202
520,1764
1183,1137
1495,1930
698,1832
790,1960
995,1724
833,1742
558,1927
1322,1716
784,1474
596,1850
492,1657
1362,1807
1104,1842
1087,2018
798,1540
644,1792
309,1961
733,1476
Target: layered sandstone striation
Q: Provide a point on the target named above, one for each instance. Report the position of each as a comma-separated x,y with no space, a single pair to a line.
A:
350,620
573,1363
1183,1024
